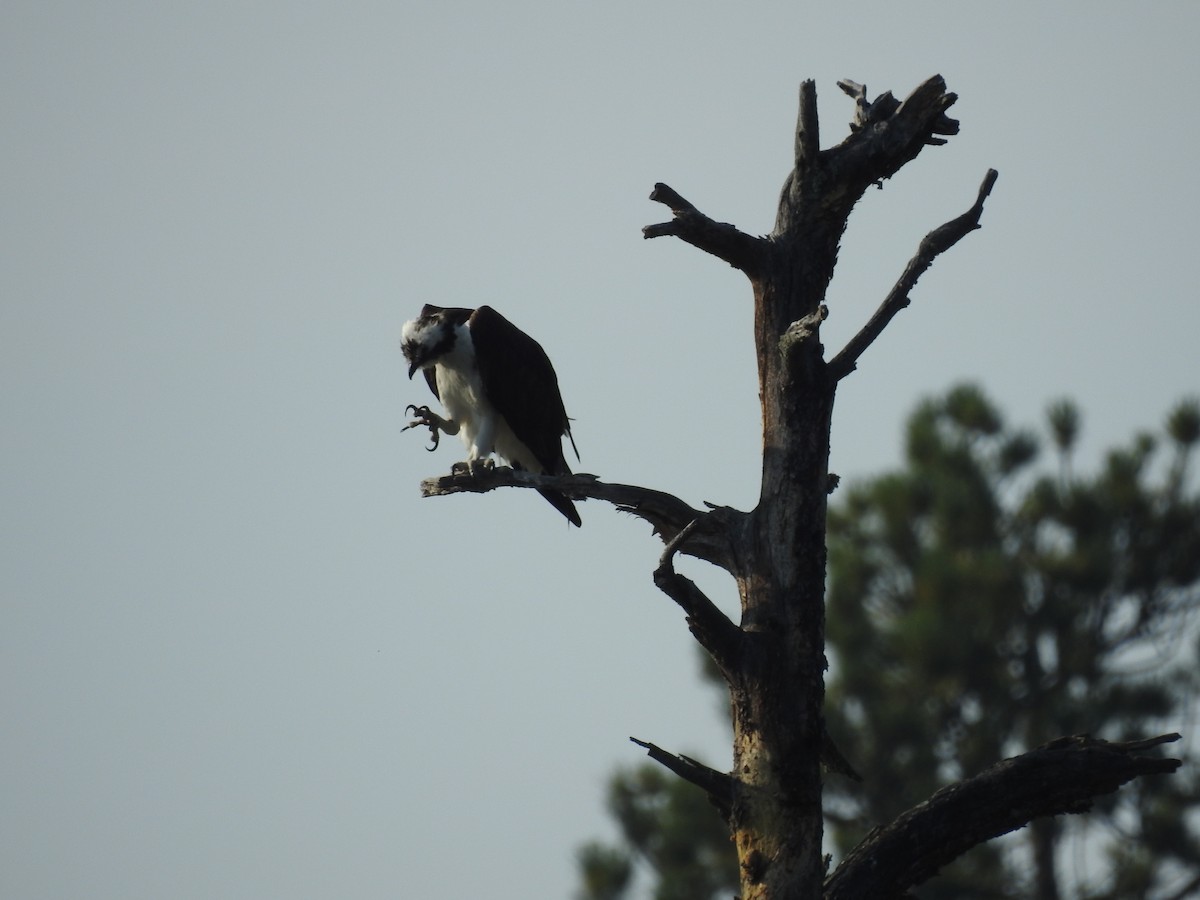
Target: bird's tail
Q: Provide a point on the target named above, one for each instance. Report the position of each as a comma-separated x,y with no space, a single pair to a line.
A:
563,504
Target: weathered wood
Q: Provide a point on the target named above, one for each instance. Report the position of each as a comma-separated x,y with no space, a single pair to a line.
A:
722,240
936,242
718,785
713,539
711,628
808,128
1059,777
777,696
774,658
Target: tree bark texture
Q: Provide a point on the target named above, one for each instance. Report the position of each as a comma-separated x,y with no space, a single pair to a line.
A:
777,684
774,658
1059,777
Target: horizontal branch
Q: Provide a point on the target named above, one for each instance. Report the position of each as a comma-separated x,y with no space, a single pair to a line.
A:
1062,776
718,785
713,539
724,241
932,245
711,627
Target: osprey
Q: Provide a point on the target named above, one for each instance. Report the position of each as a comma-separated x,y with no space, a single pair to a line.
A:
499,389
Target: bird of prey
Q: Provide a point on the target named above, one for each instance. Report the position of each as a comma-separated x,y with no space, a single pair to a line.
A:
498,388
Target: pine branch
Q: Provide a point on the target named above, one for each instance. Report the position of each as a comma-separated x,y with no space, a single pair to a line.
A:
713,539
724,241
1062,776
932,245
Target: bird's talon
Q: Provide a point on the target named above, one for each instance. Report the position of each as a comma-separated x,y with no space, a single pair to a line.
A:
424,416
473,467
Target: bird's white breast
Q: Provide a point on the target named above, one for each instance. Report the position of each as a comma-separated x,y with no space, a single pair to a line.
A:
460,387
482,428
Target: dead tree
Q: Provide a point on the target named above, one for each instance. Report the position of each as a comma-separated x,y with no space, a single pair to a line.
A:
774,658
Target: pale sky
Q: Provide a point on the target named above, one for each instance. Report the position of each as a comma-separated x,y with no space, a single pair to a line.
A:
240,656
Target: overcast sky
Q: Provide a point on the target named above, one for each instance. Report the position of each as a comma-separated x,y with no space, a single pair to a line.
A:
240,657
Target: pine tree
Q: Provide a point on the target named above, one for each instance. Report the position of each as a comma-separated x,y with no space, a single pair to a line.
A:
1007,603
1006,606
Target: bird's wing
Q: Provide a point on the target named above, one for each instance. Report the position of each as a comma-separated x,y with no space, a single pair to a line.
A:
520,383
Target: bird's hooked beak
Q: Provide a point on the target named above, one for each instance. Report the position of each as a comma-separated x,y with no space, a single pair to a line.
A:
414,355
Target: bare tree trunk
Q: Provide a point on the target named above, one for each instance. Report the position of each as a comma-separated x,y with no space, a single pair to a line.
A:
774,658
777,690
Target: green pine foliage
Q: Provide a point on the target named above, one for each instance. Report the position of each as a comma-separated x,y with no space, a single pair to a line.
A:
981,605
984,599
668,825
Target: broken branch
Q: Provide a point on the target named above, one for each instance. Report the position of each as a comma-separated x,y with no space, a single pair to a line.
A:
724,241
718,785
1063,776
711,627
808,130
886,134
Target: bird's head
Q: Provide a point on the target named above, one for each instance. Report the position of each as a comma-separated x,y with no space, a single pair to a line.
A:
425,339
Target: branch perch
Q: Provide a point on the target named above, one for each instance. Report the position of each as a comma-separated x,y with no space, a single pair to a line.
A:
932,245
1062,776
724,241
713,539
717,785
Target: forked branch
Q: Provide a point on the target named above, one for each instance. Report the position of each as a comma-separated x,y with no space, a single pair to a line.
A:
932,245
724,241
712,540
871,112
1063,776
